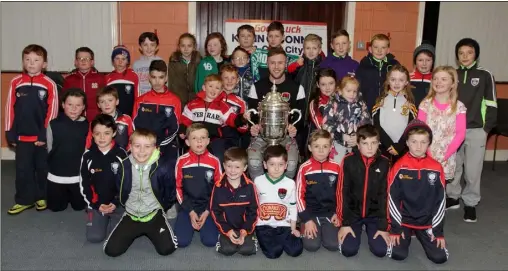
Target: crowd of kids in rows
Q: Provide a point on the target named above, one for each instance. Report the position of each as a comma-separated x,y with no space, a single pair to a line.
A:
384,148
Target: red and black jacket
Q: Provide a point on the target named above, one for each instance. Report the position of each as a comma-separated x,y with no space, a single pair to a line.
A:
417,195
239,106
421,83
90,83
234,208
316,186
362,192
213,114
124,129
195,178
32,102
159,112
316,114
126,84
97,175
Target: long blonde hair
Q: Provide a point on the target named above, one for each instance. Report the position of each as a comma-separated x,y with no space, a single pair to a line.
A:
454,94
407,91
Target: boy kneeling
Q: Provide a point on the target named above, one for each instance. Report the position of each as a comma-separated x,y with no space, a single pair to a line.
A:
362,196
147,189
417,197
235,205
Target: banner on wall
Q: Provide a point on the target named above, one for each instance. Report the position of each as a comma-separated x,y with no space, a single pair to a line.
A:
294,34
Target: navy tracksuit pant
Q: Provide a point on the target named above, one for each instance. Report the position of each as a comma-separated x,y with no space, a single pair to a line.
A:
351,245
274,241
31,173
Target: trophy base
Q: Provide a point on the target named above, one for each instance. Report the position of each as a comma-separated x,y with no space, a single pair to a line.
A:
273,142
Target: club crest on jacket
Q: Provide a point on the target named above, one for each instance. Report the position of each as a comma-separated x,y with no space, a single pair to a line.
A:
209,175
282,193
42,94
114,167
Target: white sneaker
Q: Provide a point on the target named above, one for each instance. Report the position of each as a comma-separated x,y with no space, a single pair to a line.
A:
171,213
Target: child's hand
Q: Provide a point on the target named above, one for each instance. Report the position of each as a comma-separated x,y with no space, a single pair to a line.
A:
241,239
300,61
246,115
202,218
291,130
385,235
343,232
395,239
335,220
392,151
39,143
103,208
233,237
440,242
194,220
310,230
296,233
254,130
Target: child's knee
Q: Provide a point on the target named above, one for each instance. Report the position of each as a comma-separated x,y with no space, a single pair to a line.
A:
95,237
311,245
440,257
348,250
209,240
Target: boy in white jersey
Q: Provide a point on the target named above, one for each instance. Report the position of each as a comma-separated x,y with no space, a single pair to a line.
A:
276,227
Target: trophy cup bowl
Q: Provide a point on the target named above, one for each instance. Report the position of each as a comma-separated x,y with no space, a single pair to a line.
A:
273,114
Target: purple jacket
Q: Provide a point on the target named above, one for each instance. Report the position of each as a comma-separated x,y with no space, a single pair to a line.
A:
341,66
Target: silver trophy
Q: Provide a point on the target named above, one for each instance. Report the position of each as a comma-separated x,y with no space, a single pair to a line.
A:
273,114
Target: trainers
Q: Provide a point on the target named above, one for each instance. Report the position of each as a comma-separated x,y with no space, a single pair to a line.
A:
40,205
469,214
18,208
452,203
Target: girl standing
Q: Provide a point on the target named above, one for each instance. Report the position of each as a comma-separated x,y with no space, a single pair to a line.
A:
393,110
343,116
216,49
446,116
182,67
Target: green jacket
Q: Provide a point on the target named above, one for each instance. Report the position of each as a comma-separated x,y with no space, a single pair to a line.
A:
206,67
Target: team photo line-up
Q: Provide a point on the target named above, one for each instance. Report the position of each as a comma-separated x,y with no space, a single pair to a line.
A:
357,146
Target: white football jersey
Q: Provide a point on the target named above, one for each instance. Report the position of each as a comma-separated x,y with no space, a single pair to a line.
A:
277,201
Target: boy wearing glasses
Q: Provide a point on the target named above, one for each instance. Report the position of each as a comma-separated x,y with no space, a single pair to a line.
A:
87,78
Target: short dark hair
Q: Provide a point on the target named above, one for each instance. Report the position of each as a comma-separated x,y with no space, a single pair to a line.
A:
74,92
158,65
275,151
276,51
236,154
341,32
37,49
247,27
84,50
107,90
105,120
275,25
238,48
151,37
366,131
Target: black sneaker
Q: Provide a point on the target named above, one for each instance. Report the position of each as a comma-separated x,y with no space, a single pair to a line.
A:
469,214
452,203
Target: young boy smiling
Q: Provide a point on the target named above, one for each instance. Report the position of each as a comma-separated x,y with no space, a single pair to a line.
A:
234,206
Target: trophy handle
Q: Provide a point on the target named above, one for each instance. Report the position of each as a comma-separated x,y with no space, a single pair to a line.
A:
253,111
299,115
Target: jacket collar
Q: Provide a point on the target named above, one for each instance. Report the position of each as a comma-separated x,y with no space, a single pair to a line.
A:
471,67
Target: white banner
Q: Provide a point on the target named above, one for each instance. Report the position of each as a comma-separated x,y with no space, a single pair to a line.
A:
294,34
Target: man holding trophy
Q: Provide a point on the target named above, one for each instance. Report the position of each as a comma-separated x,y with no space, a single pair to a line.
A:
270,102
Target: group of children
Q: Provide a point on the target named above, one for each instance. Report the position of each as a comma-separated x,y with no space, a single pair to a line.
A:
383,147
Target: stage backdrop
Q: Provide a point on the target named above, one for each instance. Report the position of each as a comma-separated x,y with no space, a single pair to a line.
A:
294,33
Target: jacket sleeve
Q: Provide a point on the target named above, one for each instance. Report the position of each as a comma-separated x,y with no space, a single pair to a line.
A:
251,212
10,133
52,109
394,202
217,212
490,102
135,109
49,138
293,68
301,205
172,124
184,202
85,184
382,195
344,213
293,212
331,116
301,105
439,206
136,85
386,140
365,118
169,185
316,119
200,76
89,137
